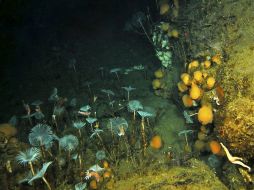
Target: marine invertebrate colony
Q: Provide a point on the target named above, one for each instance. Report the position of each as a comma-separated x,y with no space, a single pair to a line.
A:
143,116
128,89
40,135
41,174
79,125
185,133
100,155
118,125
108,92
28,157
116,70
69,142
205,115
133,106
80,186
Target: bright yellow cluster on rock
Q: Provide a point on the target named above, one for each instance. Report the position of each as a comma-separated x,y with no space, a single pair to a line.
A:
164,8
186,78
217,59
165,26
195,92
199,92
159,73
157,82
173,33
210,82
198,81
205,115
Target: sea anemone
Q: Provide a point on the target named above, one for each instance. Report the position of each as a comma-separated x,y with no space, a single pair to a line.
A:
59,110
40,135
85,108
116,70
128,89
79,124
80,186
188,116
144,114
30,155
69,142
96,132
41,174
108,92
100,155
133,106
118,125
91,120
54,95
96,168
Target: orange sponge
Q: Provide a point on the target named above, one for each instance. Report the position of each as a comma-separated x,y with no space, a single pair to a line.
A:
186,79
195,92
187,101
156,142
205,115
210,82
156,84
159,73
164,8
215,147
182,87
198,76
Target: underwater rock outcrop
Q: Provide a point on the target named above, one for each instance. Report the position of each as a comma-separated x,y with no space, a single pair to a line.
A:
235,120
196,175
226,28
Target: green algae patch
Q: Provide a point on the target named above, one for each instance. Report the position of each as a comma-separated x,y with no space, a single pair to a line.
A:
196,175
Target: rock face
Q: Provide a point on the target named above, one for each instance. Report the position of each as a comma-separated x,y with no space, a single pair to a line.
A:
9,148
195,176
227,28
235,121
237,126
8,130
